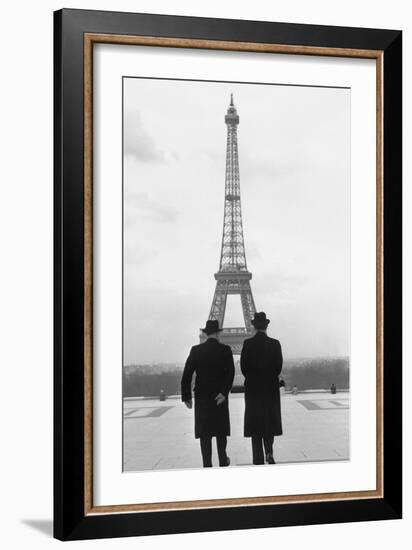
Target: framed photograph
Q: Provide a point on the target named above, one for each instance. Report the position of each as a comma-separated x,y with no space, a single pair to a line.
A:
227,274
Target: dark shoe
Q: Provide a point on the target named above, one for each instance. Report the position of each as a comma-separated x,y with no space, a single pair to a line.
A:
227,462
270,459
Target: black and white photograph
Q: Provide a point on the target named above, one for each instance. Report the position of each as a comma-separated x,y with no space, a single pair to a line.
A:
236,274
204,224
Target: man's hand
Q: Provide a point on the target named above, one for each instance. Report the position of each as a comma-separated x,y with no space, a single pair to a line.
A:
188,404
220,398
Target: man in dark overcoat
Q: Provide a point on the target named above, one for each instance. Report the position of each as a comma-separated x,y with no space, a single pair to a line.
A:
261,363
213,364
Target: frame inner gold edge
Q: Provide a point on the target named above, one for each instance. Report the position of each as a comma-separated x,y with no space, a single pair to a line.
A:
89,40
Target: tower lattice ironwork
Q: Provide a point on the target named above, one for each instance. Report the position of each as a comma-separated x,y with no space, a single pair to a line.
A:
233,276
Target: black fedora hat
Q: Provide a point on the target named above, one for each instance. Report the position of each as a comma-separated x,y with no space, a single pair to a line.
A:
260,321
212,326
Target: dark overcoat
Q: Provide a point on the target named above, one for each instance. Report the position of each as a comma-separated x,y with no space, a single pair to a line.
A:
212,362
261,363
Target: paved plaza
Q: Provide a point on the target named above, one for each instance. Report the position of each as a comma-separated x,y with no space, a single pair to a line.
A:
160,435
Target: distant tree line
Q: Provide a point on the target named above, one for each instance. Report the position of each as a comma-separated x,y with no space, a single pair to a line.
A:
149,384
317,374
306,374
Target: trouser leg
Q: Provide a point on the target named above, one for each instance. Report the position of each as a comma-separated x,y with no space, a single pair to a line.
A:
257,450
206,448
221,442
268,443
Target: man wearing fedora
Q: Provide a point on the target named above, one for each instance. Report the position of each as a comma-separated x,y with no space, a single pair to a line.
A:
213,364
261,363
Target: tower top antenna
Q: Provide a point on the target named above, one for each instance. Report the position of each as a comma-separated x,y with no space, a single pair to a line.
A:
232,117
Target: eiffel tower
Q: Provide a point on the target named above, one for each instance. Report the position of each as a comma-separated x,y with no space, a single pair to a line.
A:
233,276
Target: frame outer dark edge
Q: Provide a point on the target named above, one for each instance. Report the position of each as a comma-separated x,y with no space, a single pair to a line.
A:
57,290
69,284
393,273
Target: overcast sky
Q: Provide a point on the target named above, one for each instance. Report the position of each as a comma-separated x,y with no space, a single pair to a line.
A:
294,153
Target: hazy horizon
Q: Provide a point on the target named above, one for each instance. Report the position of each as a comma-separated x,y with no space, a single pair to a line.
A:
286,359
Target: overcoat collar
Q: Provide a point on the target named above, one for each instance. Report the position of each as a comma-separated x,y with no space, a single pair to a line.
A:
260,334
212,340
